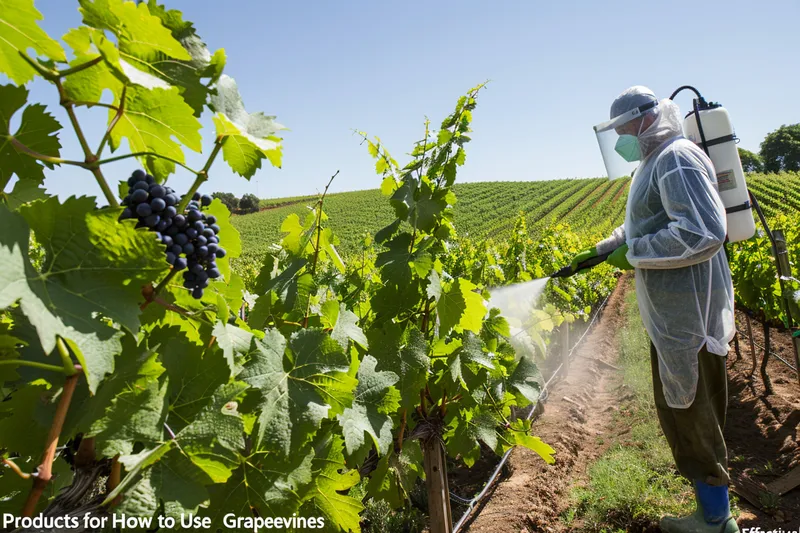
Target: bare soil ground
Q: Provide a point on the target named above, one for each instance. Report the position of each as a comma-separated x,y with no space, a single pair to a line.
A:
578,421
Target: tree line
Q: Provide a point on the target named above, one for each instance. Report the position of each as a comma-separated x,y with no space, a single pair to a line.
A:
779,152
249,203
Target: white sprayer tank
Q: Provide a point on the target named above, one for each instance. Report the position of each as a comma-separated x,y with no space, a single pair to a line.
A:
722,151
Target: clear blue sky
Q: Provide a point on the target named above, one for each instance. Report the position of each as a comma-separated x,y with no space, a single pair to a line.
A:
327,67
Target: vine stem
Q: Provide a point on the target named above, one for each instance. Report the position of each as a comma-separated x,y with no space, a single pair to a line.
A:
69,368
316,245
117,116
16,469
202,176
114,478
19,146
42,366
140,154
150,295
45,471
90,157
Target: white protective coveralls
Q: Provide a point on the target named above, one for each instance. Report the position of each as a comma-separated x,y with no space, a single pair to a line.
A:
675,226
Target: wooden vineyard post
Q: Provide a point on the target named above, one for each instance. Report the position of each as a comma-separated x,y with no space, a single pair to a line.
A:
785,271
565,347
441,518
752,342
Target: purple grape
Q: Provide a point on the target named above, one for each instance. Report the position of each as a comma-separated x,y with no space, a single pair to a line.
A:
158,204
171,199
157,191
212,248
208,233
197,293
201,240
211,219
199,226
196,196
151,221
191,233
141,186
221,253
213,273
170,211
202,251
181,239
179,220
144,210
139,174
195,215
188,248
170,258
149,179
180,263
205,200
126,213
215,228
138,196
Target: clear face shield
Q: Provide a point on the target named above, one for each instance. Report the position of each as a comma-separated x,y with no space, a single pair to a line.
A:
618,141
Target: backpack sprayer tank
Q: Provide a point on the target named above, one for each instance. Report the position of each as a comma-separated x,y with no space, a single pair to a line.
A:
709,126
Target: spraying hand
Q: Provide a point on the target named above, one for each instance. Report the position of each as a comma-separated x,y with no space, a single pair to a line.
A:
585,259
618,258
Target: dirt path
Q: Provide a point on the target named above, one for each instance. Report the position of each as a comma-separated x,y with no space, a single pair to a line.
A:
576,414
761,433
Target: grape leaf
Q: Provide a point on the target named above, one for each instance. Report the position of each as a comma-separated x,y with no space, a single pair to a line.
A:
64,299
24,191
345,329
135,415
20,31
519,434
404,352
249,137
20,427
477,426
186,75
299,389
263,486
139,33
233,341
393,479
152,118
469,354
460,307
37,131
214,438
374,399
330,478
173,480
526,380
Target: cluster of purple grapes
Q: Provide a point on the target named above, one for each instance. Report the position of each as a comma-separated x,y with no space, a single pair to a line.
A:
190,238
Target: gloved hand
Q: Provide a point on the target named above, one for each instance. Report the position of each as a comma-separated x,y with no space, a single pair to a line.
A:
583,256
618,259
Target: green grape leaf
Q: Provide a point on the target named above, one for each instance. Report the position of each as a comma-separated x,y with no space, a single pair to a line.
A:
64,299
393,479
152,118
38,131
346,329
459,306
173,480
20,31
135,415
299,389
249,137
374,399
186,75
263,486
405,353
324,496
139,33
88,84
137,464
213,440
526,380
233,340
25,191
519,434
20,427
434,288
474,428
470,353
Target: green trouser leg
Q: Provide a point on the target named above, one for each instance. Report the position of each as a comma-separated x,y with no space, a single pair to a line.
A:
695,434
695,438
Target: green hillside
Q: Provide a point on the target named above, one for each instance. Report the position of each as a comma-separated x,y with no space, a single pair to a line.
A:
485,209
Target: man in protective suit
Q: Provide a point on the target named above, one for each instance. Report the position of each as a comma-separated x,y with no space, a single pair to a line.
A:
673,236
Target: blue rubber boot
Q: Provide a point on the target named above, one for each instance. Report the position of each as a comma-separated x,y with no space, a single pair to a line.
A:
713,514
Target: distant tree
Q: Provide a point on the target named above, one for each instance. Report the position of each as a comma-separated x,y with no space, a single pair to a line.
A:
751,161
227,198
249,203
780,150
